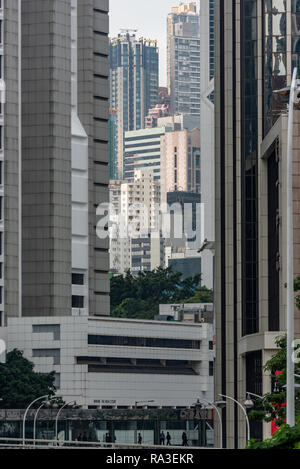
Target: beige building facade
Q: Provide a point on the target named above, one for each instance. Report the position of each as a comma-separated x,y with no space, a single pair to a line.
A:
180,162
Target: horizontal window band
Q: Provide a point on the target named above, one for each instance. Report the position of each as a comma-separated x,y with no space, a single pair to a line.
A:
100,119
100,33
148,342
98,75
99,293
100,54
102,163
140,370
101,98
98,140
144,137
98,10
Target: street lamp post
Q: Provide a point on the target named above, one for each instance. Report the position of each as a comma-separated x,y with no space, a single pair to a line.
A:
57,417
34,421
260,397
37,412
244,412
26,412
290,366
219,416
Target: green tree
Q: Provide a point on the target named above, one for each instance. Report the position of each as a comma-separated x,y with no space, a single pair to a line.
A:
20,384
272,406
135,309
284,438
202,295
139,296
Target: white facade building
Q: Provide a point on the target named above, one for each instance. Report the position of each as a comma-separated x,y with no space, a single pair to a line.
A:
116,362
207,138
135,206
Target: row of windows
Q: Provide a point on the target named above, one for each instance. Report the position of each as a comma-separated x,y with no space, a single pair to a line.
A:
141,370
143,342
144,366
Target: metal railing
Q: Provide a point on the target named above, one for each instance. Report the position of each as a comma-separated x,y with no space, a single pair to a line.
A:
18,443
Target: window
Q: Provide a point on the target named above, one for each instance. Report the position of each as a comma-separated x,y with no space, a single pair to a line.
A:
52,353
1,208
152,342
1,243
140,366
77,279
77,301
211,368
1,173
211,345
57,380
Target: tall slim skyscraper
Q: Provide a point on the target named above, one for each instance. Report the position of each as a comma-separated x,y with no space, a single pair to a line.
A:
257,45
183,28
134,75
207,119
54,155
135,202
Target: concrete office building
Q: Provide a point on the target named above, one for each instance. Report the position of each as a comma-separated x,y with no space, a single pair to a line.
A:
133,85
256,49
180,162
119,247
112,145
145,148
183,27
135,206
188,262
185,214
117,362
142,150
54,157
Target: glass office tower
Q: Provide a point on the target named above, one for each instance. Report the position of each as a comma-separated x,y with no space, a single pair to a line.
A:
257,46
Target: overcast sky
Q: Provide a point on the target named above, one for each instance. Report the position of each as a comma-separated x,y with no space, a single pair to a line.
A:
149,17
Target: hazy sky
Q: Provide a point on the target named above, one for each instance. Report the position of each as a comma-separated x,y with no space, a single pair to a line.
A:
149,17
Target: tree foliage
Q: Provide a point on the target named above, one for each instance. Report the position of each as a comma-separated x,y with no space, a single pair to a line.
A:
272,407
285,437
202,295
20,384
139,296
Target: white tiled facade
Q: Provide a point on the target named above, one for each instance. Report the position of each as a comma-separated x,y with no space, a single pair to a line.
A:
135,202
57,343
